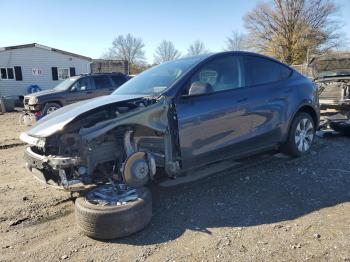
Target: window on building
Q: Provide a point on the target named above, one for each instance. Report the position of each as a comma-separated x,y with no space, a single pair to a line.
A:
7,73
63,73
10,74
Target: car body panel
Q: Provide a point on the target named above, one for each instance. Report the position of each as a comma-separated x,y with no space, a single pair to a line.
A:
194,130
210,123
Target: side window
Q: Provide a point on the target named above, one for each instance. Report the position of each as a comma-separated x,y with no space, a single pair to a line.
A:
102,82
118,80
260,70
222,74
82,84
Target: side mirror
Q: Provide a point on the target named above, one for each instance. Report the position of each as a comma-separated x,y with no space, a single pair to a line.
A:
200,88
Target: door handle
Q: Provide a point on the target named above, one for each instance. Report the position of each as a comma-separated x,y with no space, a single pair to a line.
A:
242,100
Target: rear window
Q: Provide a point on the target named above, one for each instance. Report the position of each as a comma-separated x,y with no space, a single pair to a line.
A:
259,70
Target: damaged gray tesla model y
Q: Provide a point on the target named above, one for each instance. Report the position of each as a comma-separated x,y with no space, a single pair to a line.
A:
167,121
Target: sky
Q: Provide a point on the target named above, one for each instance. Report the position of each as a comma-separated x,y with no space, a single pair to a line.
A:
88,27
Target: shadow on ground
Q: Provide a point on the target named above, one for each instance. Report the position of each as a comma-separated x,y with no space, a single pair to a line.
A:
273,191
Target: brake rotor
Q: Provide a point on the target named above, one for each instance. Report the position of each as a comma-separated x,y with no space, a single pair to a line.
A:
136,171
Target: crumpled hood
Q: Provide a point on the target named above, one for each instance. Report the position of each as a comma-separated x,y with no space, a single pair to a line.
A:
326,64
57,120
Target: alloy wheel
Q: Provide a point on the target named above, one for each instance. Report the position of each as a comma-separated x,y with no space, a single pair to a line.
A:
304,134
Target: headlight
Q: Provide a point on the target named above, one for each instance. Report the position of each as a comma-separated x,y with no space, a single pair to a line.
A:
33,100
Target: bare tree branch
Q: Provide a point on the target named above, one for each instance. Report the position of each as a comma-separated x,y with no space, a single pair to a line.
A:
197,48
127,48
166,51
288,29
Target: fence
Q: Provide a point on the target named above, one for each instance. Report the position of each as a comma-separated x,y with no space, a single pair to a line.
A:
303,69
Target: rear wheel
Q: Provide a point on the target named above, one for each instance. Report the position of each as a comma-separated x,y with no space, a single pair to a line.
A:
50,107
301,135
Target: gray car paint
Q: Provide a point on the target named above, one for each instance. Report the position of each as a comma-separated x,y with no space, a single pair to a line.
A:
218,125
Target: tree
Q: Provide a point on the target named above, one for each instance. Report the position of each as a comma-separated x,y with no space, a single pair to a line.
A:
289,29
166,51
127,48
197,48
236,42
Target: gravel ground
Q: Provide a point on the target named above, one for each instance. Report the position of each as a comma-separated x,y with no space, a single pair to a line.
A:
271,209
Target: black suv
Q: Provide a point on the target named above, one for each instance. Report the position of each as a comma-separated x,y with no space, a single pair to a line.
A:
72,90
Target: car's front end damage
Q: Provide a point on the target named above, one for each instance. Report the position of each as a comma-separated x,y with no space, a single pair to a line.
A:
334,92
101,140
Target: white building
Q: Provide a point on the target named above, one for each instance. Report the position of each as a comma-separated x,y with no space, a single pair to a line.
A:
34,64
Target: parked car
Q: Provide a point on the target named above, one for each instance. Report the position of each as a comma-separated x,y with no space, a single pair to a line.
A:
72,90
174,117
331,74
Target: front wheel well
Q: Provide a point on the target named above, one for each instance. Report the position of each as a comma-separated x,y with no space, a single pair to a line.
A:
53,102
309,110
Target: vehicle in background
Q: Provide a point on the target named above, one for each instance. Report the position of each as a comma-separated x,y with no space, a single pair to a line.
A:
331,74
178,116
71,90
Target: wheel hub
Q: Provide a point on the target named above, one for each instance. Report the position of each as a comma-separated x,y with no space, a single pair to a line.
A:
304,135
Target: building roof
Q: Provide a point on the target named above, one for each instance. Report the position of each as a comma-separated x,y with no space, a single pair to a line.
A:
44,47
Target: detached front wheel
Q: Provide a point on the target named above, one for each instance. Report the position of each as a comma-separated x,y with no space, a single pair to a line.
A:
301,135
103,214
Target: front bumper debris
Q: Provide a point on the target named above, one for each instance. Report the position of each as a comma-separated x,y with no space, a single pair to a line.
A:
40,167
34,160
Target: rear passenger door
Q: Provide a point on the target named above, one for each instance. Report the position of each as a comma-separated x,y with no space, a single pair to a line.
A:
82,89
103,85
271,95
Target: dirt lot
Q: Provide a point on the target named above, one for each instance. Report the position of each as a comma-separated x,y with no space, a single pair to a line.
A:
271,209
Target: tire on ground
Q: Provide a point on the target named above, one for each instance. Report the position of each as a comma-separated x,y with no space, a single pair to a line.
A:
110,222
48,105
290,147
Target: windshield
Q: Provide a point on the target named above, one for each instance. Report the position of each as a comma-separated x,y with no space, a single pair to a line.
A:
155,80
64,85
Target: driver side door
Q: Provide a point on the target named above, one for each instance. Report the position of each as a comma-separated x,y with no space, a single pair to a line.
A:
215,125
82,89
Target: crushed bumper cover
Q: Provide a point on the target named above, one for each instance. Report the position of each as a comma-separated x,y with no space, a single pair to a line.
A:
34,160
38,164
